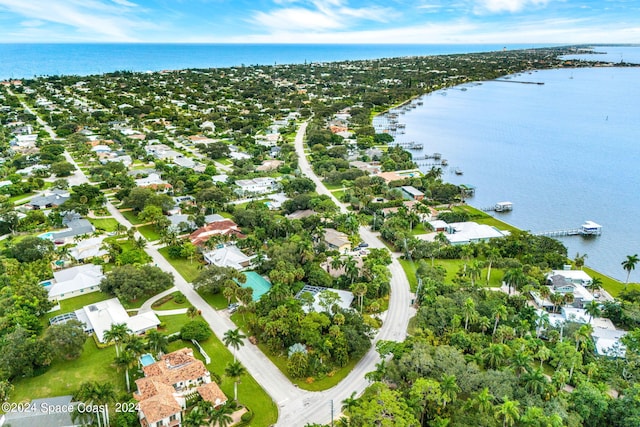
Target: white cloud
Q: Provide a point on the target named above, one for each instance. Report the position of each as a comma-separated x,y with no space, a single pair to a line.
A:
92,19
125,3
317,16
32,23
497,6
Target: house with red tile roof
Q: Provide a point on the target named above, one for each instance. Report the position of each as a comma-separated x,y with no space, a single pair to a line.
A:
163,391
225,227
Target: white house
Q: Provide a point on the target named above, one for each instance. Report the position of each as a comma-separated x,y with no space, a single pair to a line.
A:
74,281
228,256
99,317
257,185
462,233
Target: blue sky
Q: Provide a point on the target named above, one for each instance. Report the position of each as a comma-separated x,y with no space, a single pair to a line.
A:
321,21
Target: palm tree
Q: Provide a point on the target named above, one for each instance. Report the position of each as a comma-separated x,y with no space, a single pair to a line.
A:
509,411
534,381
233,338
135,345
630,264
593,309
521,362
579,260
500,312
157,341
469,310
582,336
449,388
126,360
235,370
556,299
192,312
349,403
515,277
195,418
493,254
222,415
483,400
116,334
494,356
544,353
93,392
542,322
359,289
595,285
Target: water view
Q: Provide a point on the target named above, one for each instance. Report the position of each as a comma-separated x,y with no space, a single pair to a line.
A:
563,152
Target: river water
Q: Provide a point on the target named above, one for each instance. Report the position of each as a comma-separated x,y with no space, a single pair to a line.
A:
563,152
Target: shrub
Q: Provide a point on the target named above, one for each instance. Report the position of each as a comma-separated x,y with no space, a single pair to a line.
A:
179,299
195,330
247,416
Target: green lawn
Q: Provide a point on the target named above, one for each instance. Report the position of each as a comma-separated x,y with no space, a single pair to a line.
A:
20,198
249,391
173,323
217,301
149,232
452,266
611,285
476,215
420,229
131,217
281,362
106,224
64,377
187,269
170,303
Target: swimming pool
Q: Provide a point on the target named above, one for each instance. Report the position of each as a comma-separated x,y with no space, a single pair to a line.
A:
147,359
46,236
46,283
259,284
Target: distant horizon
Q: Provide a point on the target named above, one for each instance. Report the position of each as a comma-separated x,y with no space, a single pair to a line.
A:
320,21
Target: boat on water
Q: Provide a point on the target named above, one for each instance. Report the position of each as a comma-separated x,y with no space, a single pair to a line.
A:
444,162
458,171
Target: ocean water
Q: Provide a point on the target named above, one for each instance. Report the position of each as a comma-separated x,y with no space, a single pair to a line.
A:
563,152
614,54
29,60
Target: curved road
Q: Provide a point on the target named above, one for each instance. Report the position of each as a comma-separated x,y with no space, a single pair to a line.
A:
296,407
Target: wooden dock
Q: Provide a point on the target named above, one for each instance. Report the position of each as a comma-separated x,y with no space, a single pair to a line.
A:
589,228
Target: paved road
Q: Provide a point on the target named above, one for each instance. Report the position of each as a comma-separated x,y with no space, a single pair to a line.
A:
316,407
296,407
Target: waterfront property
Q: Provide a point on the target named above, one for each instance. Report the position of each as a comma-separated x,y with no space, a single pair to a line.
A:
412,193
462,233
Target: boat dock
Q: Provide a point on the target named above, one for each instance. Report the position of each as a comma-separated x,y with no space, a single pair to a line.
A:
516,81
589,228
499,207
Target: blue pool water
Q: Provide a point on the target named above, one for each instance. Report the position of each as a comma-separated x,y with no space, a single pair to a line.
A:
48,235
259,284
46,283
146,359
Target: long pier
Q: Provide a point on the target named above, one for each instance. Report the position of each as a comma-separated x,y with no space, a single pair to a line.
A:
521,82
561,233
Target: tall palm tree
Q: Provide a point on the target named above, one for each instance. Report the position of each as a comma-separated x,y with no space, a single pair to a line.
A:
235,370
543,354
592,309
521,362
234,338
469,310
359,289
349,403
125,361
157,341
629,264
494,356
135,345
583,336
500,312
117,334
579,260
515,277
509,411
449,388
492,254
